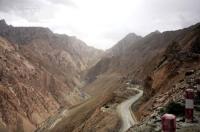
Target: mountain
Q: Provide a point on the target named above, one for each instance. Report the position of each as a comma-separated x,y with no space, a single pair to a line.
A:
40,73
57,83
134,57
176,69
122,46
159,62
170,71
110,59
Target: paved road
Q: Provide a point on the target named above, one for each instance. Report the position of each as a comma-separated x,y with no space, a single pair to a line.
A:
124,110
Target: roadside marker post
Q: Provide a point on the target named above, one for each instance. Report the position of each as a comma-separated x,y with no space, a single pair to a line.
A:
189,105
168,123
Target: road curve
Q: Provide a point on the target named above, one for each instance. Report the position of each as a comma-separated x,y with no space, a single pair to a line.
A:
124,110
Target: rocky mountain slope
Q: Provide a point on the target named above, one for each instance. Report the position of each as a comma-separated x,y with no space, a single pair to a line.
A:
138,58
112,58
158,60
177,69
40,72
172,67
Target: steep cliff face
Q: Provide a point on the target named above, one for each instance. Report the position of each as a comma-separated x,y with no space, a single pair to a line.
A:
23,95
170,72
40,73
178,57
53,50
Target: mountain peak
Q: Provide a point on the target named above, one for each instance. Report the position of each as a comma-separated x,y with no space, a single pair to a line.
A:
157,31
132,35
153,33
123,44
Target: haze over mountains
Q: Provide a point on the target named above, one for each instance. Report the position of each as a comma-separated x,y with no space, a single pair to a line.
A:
44,74
102,23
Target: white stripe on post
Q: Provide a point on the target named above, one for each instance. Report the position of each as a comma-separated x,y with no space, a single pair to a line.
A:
189,105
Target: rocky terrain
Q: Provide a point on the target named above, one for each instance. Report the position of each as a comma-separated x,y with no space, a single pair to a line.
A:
158,61
173,101
177,70
178,58
52,82
40,73
151,55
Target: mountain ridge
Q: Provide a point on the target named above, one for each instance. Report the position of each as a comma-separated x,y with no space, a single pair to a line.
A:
40,74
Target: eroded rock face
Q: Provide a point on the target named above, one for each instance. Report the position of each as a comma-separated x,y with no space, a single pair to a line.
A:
40,72
163,57
136,57
178,61
22,94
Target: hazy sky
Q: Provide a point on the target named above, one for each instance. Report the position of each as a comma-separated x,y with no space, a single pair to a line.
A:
101,23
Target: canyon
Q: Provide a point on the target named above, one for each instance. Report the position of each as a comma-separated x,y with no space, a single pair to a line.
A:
40,73
55,82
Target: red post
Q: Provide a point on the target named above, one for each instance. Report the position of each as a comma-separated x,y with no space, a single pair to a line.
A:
168,123
189,105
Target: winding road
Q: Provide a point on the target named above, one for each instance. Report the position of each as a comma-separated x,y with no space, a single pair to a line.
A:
124,110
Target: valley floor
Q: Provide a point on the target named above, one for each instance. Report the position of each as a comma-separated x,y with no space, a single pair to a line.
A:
99,113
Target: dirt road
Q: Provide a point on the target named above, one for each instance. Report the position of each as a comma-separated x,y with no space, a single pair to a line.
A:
124,110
